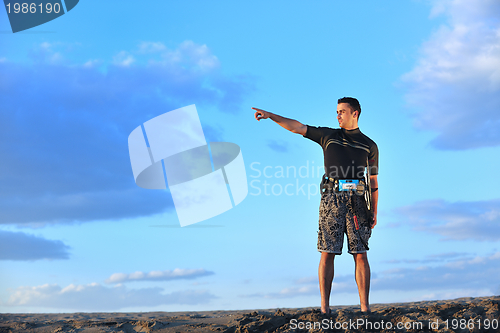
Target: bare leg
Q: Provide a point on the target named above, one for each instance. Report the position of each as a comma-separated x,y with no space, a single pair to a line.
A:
362,274
325,273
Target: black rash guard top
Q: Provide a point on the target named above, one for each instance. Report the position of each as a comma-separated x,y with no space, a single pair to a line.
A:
345,151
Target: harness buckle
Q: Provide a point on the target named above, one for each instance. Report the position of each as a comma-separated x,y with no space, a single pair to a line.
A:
343,185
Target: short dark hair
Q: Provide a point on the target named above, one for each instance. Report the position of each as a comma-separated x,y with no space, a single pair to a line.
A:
353,102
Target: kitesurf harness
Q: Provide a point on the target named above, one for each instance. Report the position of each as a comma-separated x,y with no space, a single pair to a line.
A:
354,187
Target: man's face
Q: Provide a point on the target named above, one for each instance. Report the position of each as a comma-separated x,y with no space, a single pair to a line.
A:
345,116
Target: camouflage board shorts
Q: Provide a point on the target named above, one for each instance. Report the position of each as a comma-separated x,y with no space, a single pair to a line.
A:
336,218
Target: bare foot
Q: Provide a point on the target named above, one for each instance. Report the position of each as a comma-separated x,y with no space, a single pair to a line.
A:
326,311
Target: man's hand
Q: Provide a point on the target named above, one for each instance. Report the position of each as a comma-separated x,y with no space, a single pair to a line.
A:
289,124
261,114
374,222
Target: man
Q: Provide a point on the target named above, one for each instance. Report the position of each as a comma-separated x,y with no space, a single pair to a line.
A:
347,152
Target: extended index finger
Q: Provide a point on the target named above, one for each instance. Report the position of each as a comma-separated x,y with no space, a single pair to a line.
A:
258,115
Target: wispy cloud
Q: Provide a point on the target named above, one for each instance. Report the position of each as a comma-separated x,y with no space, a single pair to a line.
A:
64,149
152,47
22,246
434,258
176,274
278,146
476,220
477,273
449,275
188,52
290,292
95,297
455,85
124,59
309,286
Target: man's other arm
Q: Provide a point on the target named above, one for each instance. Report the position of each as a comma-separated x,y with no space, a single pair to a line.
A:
289,124
373,186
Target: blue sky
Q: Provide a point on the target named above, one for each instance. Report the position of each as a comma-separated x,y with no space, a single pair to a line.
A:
77,234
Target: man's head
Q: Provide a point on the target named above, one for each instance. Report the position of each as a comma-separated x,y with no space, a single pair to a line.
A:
348,111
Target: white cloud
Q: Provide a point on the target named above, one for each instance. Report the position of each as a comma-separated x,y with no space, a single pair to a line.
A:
151,47
175,274
124,59
295,292
200,55
290,292
442,295
476,220
309,286
95,297
92,63
455,85
49,53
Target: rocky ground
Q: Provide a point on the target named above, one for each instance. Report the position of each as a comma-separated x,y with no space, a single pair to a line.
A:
459,315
